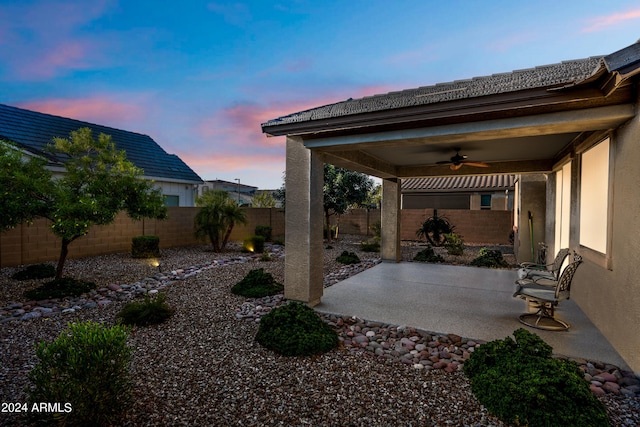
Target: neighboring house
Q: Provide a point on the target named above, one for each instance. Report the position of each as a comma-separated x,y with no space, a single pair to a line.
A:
32,131
242,193
477,192
570,131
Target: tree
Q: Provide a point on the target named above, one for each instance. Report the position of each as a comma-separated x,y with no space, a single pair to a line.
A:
263,199
24,187
99,182
216,219
343,189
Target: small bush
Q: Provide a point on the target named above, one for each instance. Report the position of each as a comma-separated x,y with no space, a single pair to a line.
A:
334,232
520,383
491,258
370,246
347,257
265,257
253,244
60,288
428,255
35,271
87,366
257,284
151,311
145,247
376,228
295,330
454,244
264,231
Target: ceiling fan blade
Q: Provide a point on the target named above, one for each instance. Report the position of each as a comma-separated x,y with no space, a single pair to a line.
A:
455,167
475,164
443,162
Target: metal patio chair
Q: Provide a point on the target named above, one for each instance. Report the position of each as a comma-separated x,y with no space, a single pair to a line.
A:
530,270
545,295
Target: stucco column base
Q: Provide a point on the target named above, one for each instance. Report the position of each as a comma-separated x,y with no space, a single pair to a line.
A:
303,224
390,249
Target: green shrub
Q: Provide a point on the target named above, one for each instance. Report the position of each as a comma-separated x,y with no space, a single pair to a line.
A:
253,244
151,311
295,330
265,257
257,284
428,255
264,231
491,258
145,247
454,244
370,246
60,288
520,383
347,257
376,228
87,366
334,232
35,271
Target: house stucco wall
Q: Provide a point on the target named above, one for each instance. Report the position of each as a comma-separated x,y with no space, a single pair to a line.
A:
611,298
185,192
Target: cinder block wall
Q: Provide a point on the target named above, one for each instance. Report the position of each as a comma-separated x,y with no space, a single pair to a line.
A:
34,243
479,226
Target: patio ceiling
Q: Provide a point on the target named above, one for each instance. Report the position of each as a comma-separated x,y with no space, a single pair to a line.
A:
511,145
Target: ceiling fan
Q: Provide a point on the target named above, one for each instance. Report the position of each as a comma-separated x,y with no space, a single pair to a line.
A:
459,160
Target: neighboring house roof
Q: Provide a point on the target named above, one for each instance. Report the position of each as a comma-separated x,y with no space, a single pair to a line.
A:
562,74
32,131
459,183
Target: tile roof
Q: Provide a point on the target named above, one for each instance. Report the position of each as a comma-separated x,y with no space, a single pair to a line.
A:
459,183
32,131
555,75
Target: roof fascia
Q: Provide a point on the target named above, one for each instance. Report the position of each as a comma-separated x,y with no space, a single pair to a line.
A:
542,124
523,102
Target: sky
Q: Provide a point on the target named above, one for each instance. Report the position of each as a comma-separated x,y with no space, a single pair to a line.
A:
199,77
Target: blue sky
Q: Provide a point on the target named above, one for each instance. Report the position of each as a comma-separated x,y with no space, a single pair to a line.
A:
200,76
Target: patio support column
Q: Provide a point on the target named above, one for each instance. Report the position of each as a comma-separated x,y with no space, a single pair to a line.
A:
390,231
303,224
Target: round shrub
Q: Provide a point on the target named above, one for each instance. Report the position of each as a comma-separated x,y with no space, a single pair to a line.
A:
257,284
145,247
491,258
295,330
151,311
428,255
35,271
347,257
520,383
87,366
60,288
253,244
454,244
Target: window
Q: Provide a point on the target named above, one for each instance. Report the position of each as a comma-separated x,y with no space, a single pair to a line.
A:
563,206
594,197
171,200
485,201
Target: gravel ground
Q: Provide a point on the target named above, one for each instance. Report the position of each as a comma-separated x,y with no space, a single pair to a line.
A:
202,367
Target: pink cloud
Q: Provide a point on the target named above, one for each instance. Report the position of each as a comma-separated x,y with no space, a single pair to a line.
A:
241,123
601,22
101,110
52,34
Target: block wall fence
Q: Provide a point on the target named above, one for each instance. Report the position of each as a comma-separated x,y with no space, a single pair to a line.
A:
34,243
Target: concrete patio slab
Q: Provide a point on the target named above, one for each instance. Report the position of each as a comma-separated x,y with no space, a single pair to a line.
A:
471,302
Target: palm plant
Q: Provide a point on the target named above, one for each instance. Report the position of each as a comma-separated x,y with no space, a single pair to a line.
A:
216,219
434,229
